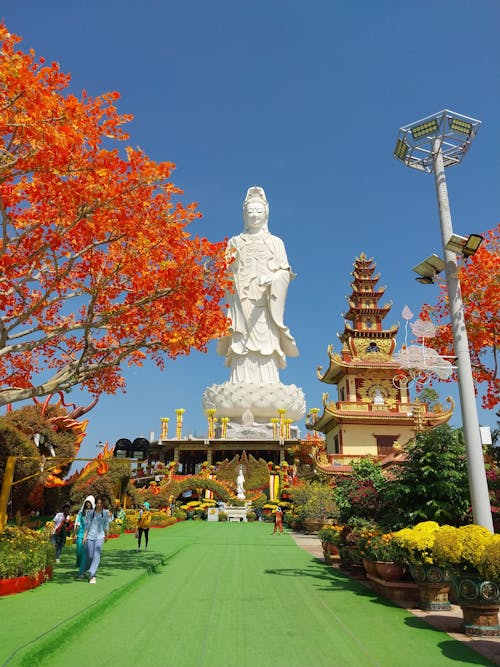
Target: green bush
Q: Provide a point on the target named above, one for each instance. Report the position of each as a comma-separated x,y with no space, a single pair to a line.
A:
24,552
432,483
315,500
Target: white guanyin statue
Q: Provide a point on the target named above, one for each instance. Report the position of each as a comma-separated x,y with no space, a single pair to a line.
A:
258,341
240,481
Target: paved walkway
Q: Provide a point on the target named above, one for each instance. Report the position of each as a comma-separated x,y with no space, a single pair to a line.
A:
207,595
446,621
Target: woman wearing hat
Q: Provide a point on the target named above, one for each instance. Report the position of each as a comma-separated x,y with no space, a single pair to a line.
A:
143,525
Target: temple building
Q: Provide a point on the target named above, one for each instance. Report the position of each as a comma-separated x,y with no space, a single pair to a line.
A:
374,413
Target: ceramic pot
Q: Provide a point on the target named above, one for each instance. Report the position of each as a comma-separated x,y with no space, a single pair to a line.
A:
480,603
434,585
390,571
370,566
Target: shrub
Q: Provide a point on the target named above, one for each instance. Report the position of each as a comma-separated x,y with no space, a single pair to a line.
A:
418,542
385,548
315,500
432,483
461,548
361,494
331,534
24,552
223,516
489,564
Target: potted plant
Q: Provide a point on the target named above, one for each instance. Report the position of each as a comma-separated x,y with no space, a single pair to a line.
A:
251,516
470,551
432,579
488,565
330,541
388,555
364,536
222,516
315,505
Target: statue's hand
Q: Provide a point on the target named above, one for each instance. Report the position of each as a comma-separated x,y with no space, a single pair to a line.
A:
265,280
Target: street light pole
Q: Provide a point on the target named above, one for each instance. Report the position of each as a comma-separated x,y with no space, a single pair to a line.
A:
478,484
431,145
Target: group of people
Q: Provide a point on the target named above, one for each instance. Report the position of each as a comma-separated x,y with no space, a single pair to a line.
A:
90,531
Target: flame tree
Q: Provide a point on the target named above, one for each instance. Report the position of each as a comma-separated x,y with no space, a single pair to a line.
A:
96,265
480,281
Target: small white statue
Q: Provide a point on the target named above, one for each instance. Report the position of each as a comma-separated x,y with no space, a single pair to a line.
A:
240,480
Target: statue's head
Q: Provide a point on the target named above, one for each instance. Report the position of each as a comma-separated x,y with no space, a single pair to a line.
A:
255,210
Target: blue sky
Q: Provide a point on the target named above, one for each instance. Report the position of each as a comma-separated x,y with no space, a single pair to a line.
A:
304,98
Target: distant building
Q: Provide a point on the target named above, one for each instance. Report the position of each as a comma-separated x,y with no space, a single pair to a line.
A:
373,413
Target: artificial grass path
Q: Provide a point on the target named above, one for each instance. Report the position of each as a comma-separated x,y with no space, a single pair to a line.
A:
215,594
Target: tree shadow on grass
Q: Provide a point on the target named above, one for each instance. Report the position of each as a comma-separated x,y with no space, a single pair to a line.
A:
456,650
112,561
333,579
330,579
453,648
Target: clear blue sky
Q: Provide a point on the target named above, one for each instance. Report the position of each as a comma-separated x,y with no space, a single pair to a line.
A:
304,98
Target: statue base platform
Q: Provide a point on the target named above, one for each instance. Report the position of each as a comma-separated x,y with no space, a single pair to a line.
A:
254,431
234,400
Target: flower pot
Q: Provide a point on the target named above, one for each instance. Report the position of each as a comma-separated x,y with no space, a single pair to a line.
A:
434,585
330,552
480,603
390,571
370,566
312,525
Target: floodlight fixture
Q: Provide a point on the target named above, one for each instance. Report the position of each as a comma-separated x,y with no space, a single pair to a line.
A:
463,245
472,244
429,268
461,126
453,133
429,128
401,150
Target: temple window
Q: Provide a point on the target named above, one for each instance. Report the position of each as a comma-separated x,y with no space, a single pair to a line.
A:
385,444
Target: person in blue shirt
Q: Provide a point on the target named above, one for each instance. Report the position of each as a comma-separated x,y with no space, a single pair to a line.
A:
96,533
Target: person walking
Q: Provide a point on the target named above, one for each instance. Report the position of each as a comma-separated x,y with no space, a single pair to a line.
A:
278,520
96,533
59,527
78,535
143,525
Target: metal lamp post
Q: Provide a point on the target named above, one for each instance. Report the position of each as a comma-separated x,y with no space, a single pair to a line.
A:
431,145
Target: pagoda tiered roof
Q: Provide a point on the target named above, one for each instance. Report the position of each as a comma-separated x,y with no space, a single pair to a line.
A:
355,310
346,363
415,414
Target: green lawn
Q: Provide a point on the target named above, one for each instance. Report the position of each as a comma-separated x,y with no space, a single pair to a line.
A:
207,594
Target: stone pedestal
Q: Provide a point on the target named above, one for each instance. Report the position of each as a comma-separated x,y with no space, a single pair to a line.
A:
250,408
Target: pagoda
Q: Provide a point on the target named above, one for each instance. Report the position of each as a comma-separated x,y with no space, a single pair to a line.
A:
373,413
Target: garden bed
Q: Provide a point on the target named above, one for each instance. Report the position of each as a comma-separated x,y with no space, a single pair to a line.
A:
24,583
